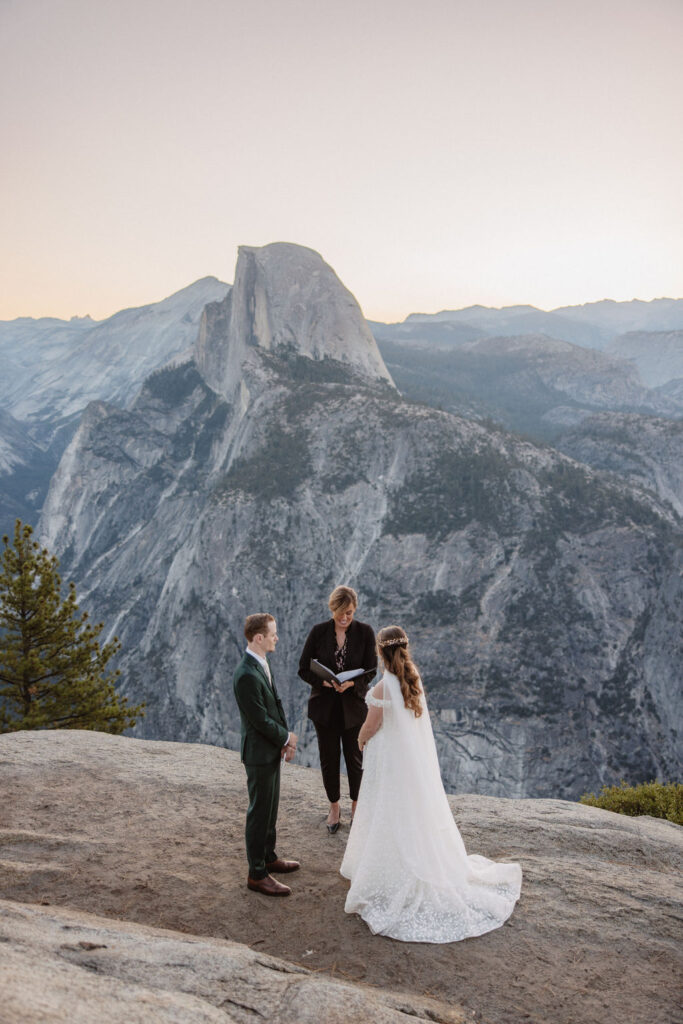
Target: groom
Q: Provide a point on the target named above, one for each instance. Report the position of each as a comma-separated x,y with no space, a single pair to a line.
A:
265,740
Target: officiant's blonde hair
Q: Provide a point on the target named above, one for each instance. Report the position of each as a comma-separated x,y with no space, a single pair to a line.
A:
394,648
341,597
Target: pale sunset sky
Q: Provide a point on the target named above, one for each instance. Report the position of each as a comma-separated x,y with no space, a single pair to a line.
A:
437,154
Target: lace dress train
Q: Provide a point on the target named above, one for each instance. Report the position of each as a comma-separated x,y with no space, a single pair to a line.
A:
411,877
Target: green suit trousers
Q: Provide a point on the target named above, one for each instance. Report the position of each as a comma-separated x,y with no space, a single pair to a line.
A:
263,786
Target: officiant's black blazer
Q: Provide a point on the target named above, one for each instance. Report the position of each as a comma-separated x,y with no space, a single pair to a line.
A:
361,652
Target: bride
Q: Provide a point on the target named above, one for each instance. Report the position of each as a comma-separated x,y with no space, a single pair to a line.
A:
411,877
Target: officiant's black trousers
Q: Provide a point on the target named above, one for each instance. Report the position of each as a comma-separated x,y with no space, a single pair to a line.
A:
263,785
331,742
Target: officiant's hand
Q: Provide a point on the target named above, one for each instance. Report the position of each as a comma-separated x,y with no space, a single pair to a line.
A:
341,687
329,685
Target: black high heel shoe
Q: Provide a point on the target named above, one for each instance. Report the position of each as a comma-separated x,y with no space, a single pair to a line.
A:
334,827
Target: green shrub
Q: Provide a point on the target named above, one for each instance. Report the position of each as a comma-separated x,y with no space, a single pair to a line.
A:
658,799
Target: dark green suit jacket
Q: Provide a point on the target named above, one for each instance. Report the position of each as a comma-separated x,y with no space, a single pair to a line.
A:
263,723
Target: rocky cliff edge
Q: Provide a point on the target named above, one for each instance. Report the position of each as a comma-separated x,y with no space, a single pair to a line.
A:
122,898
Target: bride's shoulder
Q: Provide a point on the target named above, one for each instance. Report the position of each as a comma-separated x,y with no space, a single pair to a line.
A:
384,685
379,693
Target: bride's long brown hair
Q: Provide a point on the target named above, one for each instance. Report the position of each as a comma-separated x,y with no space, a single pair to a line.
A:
392,643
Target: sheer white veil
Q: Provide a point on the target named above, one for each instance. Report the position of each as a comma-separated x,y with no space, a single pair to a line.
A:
410,767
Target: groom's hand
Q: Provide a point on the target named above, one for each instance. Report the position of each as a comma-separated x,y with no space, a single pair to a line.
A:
289,749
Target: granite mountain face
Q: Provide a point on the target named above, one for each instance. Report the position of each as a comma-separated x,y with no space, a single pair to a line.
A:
543,598
285,300
643,449
658,355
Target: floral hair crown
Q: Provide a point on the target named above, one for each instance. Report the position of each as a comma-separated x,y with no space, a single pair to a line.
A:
394,642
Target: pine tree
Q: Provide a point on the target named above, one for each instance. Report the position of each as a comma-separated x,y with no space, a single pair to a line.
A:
52,668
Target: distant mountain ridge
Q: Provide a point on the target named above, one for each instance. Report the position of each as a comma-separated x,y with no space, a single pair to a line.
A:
528,383
51,369
592,325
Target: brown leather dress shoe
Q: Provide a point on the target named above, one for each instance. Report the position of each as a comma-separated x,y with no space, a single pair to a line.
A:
282,867
268,886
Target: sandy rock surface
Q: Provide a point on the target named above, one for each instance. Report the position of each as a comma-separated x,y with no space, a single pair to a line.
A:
72,966
151,834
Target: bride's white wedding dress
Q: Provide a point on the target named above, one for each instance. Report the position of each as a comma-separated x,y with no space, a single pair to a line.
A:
411,877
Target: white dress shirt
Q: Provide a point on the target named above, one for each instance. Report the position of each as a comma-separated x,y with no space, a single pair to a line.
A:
263,663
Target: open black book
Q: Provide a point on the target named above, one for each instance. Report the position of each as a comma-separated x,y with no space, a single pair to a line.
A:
334,677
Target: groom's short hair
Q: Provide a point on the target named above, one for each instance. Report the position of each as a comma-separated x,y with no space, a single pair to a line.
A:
257,623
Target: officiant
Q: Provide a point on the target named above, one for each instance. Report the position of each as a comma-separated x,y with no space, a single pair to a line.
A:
338,710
